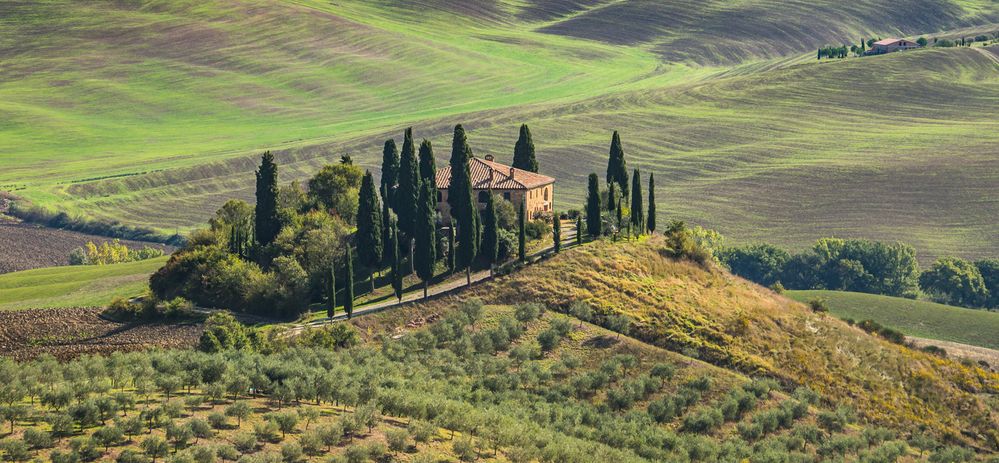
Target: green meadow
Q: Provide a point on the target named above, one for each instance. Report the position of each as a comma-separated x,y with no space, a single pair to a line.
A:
75,286
913,317
153,113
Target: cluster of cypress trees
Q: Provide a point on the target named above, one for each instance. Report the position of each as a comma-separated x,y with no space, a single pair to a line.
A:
617,181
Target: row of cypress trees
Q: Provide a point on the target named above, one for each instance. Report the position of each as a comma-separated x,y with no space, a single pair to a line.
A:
617,180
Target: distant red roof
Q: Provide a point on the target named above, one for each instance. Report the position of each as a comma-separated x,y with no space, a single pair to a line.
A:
889,42
501,177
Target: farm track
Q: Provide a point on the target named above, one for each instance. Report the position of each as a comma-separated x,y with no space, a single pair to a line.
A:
25,246
69,333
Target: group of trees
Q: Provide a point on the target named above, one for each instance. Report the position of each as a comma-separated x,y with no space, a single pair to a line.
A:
295,246
869,267
607,210
110,253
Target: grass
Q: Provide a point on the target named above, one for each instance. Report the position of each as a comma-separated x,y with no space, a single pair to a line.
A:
75,286
912,317
162,107
713,316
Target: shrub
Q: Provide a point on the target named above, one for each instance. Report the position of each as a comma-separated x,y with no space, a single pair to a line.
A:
702,420
528,312
245,442
37,438
819,305
422,431
291,452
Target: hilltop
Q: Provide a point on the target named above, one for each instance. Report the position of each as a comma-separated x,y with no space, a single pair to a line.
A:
162,107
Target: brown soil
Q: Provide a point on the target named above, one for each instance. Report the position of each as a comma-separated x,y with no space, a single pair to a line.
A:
25,246
68,333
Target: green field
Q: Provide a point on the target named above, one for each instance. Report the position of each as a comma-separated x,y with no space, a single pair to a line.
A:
915,318
153,112
75,286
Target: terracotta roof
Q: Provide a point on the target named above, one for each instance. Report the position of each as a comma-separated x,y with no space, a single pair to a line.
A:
888,41
502,177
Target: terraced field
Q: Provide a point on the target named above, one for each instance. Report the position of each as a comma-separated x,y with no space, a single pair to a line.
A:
162,107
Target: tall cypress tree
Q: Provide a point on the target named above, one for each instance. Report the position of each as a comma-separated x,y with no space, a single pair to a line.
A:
348,296
579,230
267,223
523,151
390,171
428,168
620,215
463,208
396,263
490,234
617,170
331,297
408,192
426,233
637,217
593,208
611,196
369,227
557,233
387,223
651,217
450,251
522,231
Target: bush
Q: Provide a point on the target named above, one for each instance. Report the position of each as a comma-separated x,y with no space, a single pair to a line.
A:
291,452
703,420
818,305
536,229
37,438
528,312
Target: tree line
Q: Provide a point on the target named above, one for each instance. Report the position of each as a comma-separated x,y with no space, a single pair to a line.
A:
618,209
868,267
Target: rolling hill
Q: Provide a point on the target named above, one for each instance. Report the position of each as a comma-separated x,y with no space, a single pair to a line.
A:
914,318
713,316
161,108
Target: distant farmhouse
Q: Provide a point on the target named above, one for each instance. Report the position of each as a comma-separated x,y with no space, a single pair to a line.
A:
890,45
514,185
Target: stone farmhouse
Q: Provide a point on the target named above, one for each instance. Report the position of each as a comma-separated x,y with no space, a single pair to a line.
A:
890,45
514,185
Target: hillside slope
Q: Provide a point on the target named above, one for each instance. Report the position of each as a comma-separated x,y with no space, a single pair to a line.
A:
154,112
725,320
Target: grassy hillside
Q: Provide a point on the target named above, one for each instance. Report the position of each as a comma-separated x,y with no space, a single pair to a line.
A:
75,286
473,384
161,108
727,321
915,318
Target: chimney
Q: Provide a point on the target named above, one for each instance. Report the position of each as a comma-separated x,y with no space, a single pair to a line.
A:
489,157
511,173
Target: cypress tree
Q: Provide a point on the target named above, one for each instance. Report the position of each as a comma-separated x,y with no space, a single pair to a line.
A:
267,224
428,168
450,250
557,233
408,192
611,196
490,235
369,227
424,253
331,297
579,230
463,209
387,223
620,216
523,151
637,219
390,171
522,231
348,297
593,207
617,170
651,216
396,263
